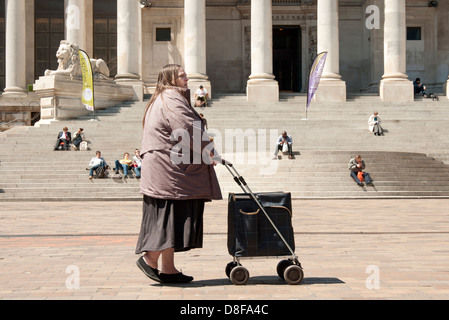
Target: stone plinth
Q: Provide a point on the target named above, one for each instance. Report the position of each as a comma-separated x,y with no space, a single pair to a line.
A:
331,91
396,91
262,91
135,84
60,97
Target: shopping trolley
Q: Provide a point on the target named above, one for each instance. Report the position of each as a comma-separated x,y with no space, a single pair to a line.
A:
260,225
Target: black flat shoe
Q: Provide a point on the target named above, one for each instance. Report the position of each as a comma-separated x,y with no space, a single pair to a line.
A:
151,273
175,278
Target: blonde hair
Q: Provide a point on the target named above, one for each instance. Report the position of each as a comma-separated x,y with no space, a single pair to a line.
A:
167,79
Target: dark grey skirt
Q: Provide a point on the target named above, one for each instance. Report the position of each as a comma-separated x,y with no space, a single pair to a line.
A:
168,224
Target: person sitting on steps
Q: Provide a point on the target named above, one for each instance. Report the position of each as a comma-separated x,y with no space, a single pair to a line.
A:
64,138
124,164
374,123
137,163
201,97
356,166
77,139
419,87
97,163
284,144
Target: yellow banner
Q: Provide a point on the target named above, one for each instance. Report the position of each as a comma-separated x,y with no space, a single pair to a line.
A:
88,82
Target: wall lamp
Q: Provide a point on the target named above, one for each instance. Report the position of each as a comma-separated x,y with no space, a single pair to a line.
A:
433,3
145,4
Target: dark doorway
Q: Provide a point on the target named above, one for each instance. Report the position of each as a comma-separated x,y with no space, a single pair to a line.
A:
287,57
48,33
105,33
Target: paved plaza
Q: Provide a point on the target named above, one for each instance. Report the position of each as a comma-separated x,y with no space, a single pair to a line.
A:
349,249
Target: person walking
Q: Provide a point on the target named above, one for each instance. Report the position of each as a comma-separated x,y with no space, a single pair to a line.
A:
174,192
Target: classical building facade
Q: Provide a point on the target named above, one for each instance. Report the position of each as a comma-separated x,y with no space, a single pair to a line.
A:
258,47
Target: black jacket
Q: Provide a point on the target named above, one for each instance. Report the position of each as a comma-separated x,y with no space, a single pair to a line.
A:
69,135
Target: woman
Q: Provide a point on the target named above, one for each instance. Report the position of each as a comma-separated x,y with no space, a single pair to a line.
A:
174,191
374,124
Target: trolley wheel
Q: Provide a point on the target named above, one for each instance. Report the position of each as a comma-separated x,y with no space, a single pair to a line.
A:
293,274
229,267
239,275
284,264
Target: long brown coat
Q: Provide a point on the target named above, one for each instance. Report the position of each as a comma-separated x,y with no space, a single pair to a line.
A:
163,177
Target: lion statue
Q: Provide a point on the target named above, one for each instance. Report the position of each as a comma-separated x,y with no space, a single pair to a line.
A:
69,63
100,69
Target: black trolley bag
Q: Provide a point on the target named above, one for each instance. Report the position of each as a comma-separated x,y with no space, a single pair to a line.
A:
260,225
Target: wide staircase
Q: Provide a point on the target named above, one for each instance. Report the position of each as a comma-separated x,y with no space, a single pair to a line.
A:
409,161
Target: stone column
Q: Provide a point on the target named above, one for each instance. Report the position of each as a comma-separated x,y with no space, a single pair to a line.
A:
395,86
15,49
75,23
332,88
195,44
261,85
129,45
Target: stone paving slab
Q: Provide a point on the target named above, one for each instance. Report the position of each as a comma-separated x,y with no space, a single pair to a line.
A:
349,249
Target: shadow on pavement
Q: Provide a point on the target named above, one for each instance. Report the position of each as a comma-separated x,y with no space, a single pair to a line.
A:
258,280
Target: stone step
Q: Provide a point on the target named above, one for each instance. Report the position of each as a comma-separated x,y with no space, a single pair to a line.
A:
280,166
323,183
120,192
308,155
255,177
359,194
423,171
317,184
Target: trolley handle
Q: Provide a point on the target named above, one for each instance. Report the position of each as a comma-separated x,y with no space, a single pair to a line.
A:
237,177
224,162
